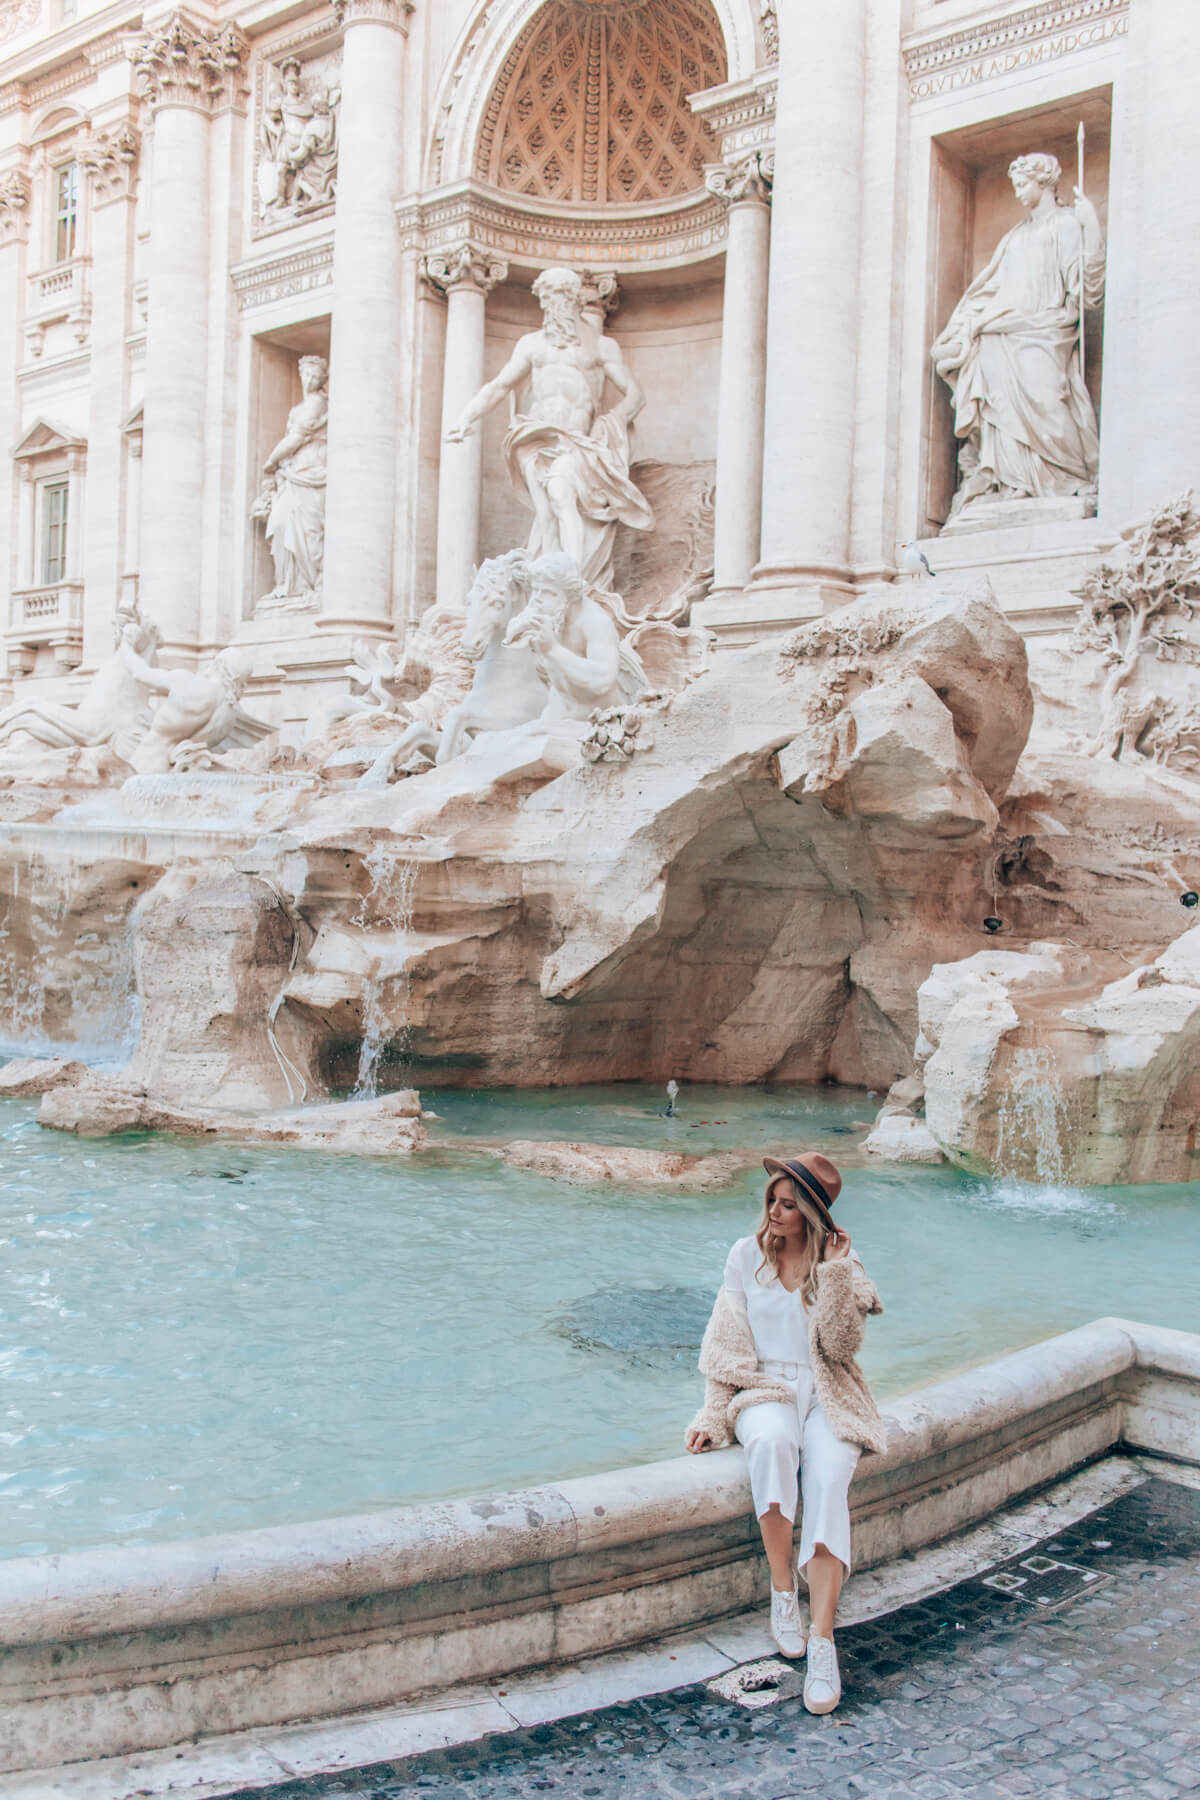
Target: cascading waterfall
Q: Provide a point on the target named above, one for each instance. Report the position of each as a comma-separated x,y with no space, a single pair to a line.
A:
63,990
1032,1127
386,906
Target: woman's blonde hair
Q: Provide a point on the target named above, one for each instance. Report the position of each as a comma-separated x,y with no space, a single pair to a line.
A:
815,1239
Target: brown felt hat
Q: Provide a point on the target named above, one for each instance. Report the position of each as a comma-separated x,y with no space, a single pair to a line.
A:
815,1176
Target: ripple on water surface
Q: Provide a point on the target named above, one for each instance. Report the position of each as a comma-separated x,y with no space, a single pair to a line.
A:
200,1337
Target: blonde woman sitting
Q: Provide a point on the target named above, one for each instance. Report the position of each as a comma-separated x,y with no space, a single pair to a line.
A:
778,1358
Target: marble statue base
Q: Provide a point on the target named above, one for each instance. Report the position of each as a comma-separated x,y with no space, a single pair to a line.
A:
988,514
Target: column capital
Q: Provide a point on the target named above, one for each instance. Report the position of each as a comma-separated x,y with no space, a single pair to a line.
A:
111,160
184,65
15,191
742,178
380,12
464,266
600,292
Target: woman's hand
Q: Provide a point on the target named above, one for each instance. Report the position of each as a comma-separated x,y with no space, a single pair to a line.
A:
837,1246
697,1442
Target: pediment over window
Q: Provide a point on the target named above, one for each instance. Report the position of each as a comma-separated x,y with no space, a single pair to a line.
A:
47,439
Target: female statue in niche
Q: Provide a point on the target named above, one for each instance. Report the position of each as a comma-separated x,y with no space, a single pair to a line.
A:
292,499
1010,353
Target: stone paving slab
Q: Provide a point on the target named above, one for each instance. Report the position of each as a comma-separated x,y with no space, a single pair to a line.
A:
978,1691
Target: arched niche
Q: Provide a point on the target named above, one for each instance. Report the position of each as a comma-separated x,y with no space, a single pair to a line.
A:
493,45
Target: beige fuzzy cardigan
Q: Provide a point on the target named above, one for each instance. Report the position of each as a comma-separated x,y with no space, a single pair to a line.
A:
733,1379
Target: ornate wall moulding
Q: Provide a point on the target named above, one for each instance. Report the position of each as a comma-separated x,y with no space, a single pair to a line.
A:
1034,38
669,234
18,16
264,280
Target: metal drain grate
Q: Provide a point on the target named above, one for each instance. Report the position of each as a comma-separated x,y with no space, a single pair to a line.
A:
1043,1581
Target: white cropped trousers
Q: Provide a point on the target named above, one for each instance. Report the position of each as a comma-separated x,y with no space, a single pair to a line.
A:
776,1438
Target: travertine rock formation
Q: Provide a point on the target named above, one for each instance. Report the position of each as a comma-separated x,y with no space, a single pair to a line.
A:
590,1163
1044,1063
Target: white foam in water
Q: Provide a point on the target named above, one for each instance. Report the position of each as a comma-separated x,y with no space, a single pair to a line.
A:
1027,1196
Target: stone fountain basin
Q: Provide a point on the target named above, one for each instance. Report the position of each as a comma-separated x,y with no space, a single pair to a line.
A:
107,1652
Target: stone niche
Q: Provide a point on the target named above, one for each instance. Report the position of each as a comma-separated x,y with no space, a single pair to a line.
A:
668,324
274,390
973,206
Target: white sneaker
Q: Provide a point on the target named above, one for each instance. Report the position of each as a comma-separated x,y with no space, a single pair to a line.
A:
786,1627
822,1683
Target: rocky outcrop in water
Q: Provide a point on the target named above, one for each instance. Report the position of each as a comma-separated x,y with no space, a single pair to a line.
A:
1064,1066
758,893
628,1167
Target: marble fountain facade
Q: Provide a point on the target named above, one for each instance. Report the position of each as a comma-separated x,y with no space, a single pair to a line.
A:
473,473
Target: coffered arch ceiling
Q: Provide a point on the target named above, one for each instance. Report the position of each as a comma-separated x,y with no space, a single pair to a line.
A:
591,102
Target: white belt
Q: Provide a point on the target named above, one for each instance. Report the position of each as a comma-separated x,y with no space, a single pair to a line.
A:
788,1370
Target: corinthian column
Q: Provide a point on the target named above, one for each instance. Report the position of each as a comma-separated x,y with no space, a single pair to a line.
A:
466,276
110,159
360,501
187,74
743,375
812,315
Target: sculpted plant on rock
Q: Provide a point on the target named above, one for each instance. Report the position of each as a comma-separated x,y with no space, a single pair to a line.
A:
1134,602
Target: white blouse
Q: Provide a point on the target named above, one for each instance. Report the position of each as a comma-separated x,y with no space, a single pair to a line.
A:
778,1319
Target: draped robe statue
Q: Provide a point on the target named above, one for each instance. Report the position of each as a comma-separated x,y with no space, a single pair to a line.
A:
572,459
292,500
1010,352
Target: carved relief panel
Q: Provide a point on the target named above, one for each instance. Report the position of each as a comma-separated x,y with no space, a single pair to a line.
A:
297,112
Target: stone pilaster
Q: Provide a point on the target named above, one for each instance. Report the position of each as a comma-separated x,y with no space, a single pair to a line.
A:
1149,446
368,270
187,74
745,184
813,313
15,193
466,276
110,159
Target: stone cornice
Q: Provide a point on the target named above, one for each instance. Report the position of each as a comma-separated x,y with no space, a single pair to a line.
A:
262,280
15,192
73,49
380,12
745,178
184,65
534,233
941,63
111,160
740,115
466,265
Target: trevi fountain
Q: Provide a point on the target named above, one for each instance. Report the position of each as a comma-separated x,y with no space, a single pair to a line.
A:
557,547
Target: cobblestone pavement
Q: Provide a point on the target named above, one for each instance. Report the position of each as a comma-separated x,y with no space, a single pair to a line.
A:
1089,1693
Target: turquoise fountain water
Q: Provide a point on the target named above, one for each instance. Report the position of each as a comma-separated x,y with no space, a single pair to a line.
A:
197,1338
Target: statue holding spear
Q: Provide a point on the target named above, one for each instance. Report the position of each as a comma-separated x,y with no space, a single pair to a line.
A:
1012,351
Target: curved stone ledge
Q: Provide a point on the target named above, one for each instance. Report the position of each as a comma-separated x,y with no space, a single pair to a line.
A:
108,1651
